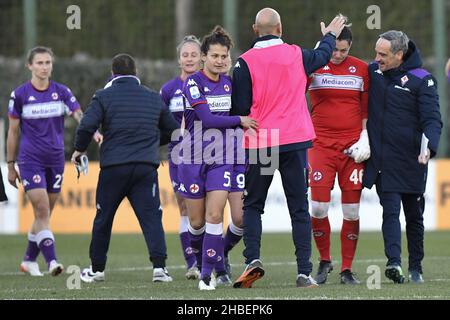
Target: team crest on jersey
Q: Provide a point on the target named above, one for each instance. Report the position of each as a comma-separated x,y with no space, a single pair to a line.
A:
352,69
36,178
73,99
195,93
55,96
189,250
404,80
226,88
317,176
211,252
194,188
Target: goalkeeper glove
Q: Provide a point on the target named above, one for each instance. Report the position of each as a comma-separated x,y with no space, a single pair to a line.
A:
82,165
360,151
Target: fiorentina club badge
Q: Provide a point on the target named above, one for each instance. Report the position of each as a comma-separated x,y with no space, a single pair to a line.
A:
54,96
404,80
194,188
317,176
226,88
36,178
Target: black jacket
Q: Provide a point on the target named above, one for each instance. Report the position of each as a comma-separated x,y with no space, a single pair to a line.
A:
403,104
132,118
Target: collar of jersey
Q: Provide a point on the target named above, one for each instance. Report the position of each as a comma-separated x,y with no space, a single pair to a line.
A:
268,43
109,84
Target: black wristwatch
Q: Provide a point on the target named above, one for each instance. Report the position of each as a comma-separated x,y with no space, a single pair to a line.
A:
332,33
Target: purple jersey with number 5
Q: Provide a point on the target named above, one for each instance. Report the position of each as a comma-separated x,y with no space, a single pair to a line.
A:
41,115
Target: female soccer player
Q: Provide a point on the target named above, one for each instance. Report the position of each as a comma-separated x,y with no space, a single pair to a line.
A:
36,144
188,52
339,95
205,175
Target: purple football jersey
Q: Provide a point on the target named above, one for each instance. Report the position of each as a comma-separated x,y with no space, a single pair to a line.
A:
199,89
41,115
172,95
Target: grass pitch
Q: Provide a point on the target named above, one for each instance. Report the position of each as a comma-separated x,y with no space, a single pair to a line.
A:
129,276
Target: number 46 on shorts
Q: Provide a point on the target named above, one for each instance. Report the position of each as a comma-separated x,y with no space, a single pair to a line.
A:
357,176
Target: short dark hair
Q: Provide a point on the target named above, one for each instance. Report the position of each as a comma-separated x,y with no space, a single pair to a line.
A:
346,34
38,50
124,64
218,36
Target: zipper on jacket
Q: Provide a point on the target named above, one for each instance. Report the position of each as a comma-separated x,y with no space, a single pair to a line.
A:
382,126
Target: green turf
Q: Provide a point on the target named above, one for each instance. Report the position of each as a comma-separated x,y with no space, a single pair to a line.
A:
129,275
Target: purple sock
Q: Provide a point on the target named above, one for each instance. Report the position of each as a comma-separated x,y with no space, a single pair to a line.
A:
46,242
197,245
231,238
220,264
188,252
32,250
212,248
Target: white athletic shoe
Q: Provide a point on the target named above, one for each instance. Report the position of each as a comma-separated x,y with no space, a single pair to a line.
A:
55,268
88,276
208,283
31,267
161,275
203,286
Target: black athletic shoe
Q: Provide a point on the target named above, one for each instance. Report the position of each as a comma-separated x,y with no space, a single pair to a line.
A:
395,273
325,267
348,277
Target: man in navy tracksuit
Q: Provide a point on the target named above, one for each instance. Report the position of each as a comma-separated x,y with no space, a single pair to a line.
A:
403,108
133,119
